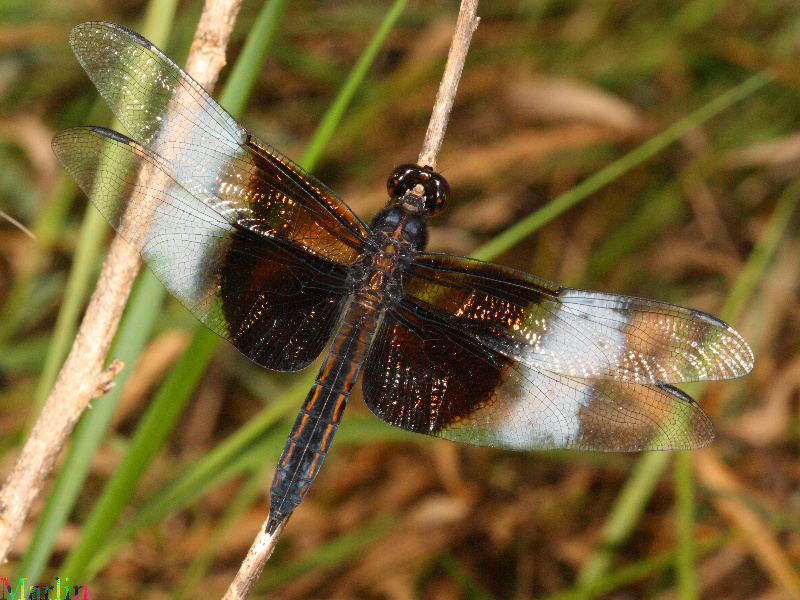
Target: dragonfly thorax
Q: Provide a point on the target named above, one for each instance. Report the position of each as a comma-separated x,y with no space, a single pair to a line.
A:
401,226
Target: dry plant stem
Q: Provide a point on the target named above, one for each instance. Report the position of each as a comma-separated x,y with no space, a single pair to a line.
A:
207,54
17,224
264,543
254,562
82,377
467,23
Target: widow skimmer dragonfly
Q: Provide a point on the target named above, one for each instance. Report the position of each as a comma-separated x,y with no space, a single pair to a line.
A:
270,259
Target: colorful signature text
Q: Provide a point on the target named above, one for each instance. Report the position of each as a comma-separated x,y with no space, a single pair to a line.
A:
59,591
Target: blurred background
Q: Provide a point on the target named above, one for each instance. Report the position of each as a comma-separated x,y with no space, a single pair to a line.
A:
166,482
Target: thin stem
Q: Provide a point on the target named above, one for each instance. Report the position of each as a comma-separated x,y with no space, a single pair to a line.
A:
253,563
83,376
17,224
265,543
467,23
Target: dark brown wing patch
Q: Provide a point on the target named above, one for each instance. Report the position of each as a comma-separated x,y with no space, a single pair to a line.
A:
275,301
426,376
575,332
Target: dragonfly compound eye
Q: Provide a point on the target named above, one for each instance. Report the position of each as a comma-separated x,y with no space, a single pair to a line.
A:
419,187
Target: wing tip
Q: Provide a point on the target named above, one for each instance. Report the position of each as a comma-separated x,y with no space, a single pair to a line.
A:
676,392
697,423
59,147
84,32
710,319
734,342
88,27
111,134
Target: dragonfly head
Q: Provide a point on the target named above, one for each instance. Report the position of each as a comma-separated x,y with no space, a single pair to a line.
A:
418,190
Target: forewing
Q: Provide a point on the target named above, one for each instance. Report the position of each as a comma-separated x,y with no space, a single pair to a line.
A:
207,151
271,298
426,375
575,333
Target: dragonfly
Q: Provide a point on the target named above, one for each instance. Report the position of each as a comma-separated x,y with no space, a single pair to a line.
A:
270,259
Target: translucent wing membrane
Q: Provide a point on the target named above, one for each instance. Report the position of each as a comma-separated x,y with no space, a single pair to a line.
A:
276,302
575,333
428,375
207,151
268,257
486,355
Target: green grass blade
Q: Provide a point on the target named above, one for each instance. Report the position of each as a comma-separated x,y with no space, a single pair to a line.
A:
84,268
333,115
151,434
624,514
243,75
213,467
49,221
641,570
165,409
48,229
137,321
666,207
140,317
762,253
195,480
580,192
246,496
158,21
686,556
339,551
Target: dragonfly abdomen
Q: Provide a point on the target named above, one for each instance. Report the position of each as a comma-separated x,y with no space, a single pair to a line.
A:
315,426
